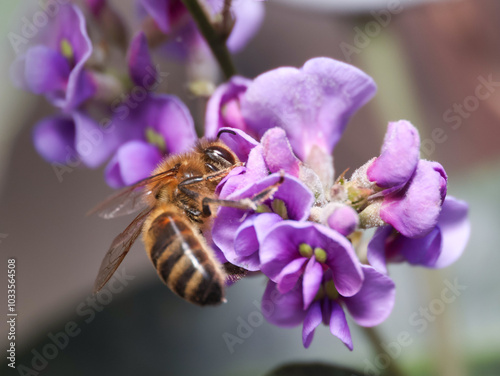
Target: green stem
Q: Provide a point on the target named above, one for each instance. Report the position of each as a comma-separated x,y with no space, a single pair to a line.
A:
392,369
215,41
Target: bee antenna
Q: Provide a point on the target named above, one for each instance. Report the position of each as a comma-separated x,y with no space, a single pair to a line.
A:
225,131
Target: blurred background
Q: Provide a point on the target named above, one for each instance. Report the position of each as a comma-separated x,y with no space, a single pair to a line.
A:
428,60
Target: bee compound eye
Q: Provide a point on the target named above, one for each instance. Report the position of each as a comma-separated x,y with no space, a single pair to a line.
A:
221,155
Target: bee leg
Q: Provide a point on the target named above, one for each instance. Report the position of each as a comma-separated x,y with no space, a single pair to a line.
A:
246,203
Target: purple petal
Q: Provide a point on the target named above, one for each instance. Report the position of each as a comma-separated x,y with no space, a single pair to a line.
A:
80,88
224,229
231,183
297,198
264,223
46,70
443,188
245,242
92,144
140,65
223,108
344,220
169,116
248,19
414,212
243,177
342,260
377,248
245,252
338,325
455,230
73,28
288,276
256,166
134,161
312,104
419,251
278,153
374,302
281,246
54,138
282,309
313,275
311,322
71,25
239,142
399,157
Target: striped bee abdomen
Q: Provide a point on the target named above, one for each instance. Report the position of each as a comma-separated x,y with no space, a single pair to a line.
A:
183,261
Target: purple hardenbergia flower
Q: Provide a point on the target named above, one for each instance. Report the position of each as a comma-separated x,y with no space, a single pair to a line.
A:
55,64
271,205
369,306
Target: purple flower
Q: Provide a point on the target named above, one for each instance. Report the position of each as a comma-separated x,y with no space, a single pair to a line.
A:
414,210
173,19
67,139
399,157
55,65
312,104
294,249
442,246
369,306
158,126
238,233
154,127
408,191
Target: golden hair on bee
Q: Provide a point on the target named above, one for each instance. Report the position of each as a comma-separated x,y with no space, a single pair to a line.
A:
176,201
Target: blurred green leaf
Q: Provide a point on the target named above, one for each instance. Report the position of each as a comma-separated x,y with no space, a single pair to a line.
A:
315,369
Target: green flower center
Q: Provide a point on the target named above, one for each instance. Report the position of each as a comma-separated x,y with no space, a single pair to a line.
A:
156,139
277,206
306,250
67,50
320,254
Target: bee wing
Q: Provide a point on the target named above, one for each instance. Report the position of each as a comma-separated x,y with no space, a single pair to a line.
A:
129,199
119,249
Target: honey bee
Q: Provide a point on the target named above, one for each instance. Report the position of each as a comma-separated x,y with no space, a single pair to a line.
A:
176,205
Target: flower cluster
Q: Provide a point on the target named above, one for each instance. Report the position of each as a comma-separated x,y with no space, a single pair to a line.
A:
109,113
306,237
305,233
